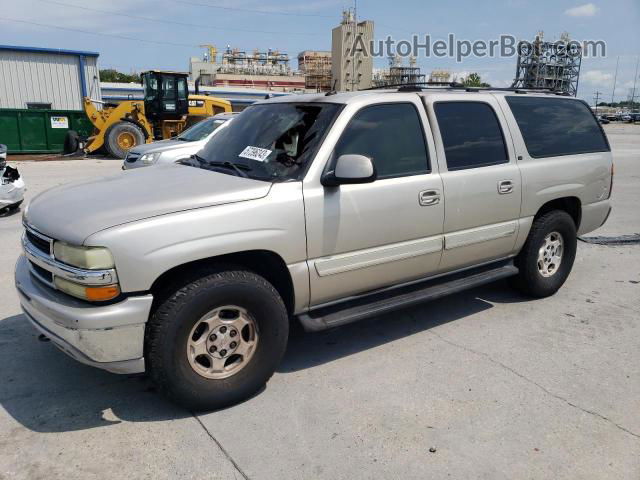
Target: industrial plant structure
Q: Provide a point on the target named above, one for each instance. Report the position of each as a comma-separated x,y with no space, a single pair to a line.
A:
440,76
267,69
316,67
549,65
351,62
397,74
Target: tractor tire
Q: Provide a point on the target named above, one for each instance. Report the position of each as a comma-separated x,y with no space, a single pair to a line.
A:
122,137
71,142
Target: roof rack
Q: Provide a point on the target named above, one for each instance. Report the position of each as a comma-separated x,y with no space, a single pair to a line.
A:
417,85
420,86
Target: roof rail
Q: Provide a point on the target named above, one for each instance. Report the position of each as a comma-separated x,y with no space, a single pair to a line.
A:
420,86
417,85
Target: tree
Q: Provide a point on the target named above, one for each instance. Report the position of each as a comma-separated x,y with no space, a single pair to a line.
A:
111,75
474,80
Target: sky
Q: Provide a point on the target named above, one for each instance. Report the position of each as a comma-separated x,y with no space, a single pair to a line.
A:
135,35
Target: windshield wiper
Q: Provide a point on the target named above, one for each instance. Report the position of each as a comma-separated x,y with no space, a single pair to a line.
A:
241,170
190,161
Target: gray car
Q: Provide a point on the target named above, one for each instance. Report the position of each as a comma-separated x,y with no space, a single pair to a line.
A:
183,146
322,209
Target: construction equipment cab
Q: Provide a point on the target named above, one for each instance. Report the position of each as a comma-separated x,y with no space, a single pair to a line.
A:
166,110
165,95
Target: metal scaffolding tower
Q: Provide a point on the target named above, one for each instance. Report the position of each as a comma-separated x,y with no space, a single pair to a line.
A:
549,65
397,74
316,68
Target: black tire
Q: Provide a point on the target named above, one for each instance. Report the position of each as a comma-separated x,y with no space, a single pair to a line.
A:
171,324
115,131
71,142
530,280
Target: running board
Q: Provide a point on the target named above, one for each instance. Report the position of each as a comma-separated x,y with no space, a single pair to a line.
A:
390,300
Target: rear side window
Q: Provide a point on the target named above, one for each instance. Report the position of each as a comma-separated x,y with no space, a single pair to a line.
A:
557,126
391,135
471,135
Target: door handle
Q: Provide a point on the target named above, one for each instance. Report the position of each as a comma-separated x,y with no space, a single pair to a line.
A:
429,197
505,186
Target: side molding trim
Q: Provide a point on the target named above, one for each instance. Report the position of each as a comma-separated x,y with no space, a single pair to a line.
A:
377,256
480,235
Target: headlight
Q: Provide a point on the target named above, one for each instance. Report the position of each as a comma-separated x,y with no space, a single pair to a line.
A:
91,258
92,294
149,157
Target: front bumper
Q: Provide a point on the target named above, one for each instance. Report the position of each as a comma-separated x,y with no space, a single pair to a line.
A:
110,337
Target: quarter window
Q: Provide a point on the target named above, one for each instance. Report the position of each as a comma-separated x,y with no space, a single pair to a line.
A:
471,135
182,89
557,126
391,135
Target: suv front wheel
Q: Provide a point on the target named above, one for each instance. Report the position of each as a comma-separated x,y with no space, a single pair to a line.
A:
217,340
548,254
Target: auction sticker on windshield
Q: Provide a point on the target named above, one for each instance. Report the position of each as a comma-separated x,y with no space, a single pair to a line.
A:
255,153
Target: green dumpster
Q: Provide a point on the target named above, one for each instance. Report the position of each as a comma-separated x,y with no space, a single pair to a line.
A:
40,131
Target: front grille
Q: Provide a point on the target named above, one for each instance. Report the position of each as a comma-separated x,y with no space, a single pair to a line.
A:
132,157
39,242
45,275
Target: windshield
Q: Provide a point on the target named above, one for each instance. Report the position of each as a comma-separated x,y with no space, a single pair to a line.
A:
272,141
201,129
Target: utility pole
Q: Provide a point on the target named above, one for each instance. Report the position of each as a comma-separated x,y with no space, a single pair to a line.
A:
596,97
635,79
615,79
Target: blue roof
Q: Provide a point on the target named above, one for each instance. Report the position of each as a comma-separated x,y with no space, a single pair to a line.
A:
58,51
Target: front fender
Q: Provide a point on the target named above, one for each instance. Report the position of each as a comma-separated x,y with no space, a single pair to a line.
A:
145,249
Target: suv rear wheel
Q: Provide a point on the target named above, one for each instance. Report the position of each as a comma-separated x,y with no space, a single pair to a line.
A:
217,340
548,254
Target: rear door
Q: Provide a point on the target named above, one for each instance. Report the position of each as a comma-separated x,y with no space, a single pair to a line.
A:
480,177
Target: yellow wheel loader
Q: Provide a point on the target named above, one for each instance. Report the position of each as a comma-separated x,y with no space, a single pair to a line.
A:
167,109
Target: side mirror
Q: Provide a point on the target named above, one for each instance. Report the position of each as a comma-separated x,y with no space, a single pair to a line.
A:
350,169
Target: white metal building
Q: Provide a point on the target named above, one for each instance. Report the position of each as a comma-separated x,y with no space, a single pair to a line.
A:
47,78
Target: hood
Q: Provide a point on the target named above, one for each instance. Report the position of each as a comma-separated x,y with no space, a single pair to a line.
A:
74,211
163,146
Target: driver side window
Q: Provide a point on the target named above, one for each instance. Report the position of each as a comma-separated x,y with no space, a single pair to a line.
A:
391,135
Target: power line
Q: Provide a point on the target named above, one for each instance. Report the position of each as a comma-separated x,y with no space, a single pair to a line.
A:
113,35
171,22
251,10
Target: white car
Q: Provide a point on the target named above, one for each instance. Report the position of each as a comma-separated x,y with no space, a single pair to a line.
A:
183,146
11,184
